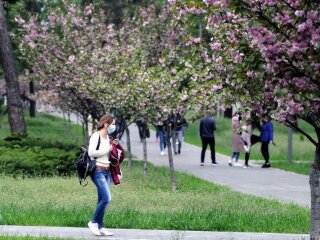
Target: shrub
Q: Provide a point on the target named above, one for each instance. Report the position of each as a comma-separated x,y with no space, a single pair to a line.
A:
37,157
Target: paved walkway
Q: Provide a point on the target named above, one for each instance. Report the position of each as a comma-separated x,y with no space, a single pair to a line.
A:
268,183
135,234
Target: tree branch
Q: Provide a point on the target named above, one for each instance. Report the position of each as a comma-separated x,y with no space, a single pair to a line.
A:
303,132
288,4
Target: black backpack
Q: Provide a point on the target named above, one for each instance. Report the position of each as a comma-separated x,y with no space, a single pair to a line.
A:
84,165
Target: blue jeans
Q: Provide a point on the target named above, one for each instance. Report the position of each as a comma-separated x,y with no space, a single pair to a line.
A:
101,179
162,138
236,155
177,136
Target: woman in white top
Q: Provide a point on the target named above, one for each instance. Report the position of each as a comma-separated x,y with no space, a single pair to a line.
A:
99,148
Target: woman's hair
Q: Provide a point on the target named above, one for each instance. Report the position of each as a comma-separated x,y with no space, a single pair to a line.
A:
105,119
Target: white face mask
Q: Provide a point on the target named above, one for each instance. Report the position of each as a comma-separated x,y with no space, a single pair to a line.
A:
111,129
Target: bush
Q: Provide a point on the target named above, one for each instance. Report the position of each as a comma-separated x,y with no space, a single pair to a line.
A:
28,142
37,157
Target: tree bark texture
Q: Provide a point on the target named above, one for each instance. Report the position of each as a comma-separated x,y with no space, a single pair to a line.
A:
145,160
32,108
15,109
129,148
315,196
171,166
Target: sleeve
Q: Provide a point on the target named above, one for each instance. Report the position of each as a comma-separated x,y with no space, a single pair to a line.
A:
271,131
93,145
201,127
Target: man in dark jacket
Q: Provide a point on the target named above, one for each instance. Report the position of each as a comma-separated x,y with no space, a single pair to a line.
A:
207,128
178,122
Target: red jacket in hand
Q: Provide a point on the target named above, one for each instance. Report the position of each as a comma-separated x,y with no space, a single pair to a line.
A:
116,157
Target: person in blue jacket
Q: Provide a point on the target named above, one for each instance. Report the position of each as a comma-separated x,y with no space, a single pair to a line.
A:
266,138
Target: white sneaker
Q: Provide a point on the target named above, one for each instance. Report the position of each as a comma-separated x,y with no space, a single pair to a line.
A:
237,164
105,232
230,163
162,153
94,228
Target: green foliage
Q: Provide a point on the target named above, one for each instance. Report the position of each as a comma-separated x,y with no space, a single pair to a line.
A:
44,153
1,72
28,142
146,203
45,126
37,157
17,136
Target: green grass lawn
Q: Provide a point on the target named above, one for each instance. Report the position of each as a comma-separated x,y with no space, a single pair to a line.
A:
303,150
146,203
47,126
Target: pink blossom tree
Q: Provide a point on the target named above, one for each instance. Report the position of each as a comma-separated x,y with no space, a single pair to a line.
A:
137,69
265,55
161,81
68,55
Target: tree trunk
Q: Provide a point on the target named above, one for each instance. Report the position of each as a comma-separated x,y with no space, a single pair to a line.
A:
315,196
171,167
15,110
32,107
65,124
129,148
70,128
145,167
85,131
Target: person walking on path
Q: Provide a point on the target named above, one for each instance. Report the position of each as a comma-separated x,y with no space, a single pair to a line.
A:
178,122
161,131
237,142
207,128
99,148
266,138
248,137
144,131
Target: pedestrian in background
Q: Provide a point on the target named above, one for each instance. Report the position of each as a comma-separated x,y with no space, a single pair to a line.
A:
143,129
237,142
266,138
178,122
251,123
207,128
162,133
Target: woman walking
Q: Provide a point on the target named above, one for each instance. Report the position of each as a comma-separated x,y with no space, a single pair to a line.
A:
99,148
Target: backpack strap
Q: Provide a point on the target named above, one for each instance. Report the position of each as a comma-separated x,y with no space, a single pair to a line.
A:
99,141
87,167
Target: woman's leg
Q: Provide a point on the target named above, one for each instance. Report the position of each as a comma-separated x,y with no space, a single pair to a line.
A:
265,151
246,158
101,179
237,154
161,138
204,148
180,139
